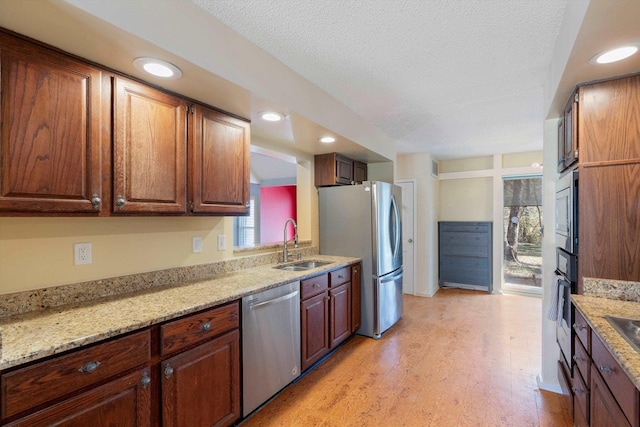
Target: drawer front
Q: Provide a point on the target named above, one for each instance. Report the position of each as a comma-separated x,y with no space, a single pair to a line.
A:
583,330
465,244
314,286
338,277
473,271
462,228
198,327
581,360
580,396
623,390
36,384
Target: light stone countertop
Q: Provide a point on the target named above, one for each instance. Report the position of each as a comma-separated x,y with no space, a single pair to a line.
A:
594,309
31,336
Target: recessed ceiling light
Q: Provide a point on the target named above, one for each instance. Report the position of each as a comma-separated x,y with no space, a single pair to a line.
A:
613,55
272,116
327,139
158,68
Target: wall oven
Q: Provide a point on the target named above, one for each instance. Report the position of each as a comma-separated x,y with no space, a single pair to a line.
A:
566,224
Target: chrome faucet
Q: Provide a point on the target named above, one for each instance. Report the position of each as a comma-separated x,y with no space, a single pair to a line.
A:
285,254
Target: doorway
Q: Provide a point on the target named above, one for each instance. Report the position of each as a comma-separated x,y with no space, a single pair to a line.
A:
522,234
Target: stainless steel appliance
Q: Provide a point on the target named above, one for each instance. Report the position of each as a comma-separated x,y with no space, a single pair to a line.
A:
567,212
364,221
270,343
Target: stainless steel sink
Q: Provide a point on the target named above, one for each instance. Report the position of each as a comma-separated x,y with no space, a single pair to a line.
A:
302,265
628,328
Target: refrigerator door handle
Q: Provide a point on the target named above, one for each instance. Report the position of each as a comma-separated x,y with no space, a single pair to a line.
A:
399,272
395,226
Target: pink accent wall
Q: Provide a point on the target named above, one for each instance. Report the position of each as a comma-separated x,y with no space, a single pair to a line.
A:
277,204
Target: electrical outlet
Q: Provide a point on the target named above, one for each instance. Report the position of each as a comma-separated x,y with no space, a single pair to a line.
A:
222,242
196,245
82,253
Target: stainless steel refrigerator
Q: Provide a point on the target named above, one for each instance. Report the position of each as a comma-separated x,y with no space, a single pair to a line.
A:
364,221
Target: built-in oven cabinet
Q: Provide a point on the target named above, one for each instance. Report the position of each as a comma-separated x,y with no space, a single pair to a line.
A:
568,134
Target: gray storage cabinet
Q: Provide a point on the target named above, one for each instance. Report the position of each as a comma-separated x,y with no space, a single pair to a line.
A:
465,253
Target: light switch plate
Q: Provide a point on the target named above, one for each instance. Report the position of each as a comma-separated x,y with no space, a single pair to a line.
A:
196,245
222,242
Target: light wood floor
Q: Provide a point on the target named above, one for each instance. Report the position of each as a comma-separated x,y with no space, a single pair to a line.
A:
461,358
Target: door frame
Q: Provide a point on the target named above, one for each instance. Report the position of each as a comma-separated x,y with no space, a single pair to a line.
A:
412,181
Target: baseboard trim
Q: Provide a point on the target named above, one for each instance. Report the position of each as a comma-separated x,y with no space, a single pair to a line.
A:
548,387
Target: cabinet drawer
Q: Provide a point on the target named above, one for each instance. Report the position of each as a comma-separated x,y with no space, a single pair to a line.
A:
314,286
580,396
36,384
468,228
198,327
473,271
338,277
581,360
619,383
583,330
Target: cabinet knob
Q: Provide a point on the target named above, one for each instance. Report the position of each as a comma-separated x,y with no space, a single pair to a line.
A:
145,381
316,286
605,369
120,202
340,276
96,201
577,390
579,327
168,371
89,367
205,326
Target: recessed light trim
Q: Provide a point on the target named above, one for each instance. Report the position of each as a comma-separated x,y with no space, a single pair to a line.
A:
327,139
272,116
158,68
615,55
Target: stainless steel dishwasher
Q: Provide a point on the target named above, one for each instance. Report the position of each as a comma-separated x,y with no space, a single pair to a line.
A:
270,343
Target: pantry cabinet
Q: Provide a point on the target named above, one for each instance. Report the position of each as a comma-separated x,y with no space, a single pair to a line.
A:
51,136
150,150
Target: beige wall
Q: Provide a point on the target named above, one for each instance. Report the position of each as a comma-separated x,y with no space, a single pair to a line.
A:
468,164
38,252
521,160
418,167
466,199
380,172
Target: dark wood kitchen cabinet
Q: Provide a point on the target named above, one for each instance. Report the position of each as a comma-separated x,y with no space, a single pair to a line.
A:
201,386
182,372
51,131
218,162
150,150
568,134
328,312
336,169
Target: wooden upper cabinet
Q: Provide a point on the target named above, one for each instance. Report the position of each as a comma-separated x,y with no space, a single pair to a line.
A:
336,169
609,126
51,131
218,162
150,150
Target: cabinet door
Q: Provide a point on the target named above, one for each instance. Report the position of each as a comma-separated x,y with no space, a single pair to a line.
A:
122,402
561,152
149,171
340,309
51,131
344,170
218,163
359,172
571,131
314,318
201,387
605,412
356,284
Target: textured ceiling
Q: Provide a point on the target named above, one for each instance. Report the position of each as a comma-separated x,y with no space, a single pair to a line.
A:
455,78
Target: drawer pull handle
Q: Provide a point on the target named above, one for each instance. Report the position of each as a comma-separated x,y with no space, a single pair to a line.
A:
579,327
605,369
340,276
577,390
315,285
145,381
89,367
205,326
168,371
577,359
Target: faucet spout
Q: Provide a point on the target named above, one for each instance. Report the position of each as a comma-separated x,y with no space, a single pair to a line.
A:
285,253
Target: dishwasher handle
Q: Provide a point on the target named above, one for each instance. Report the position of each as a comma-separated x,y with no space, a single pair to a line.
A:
272,301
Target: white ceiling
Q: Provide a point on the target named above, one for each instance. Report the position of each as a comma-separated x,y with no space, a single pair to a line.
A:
456,78
453,78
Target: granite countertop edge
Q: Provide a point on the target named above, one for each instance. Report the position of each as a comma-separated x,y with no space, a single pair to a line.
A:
594,310
33,336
